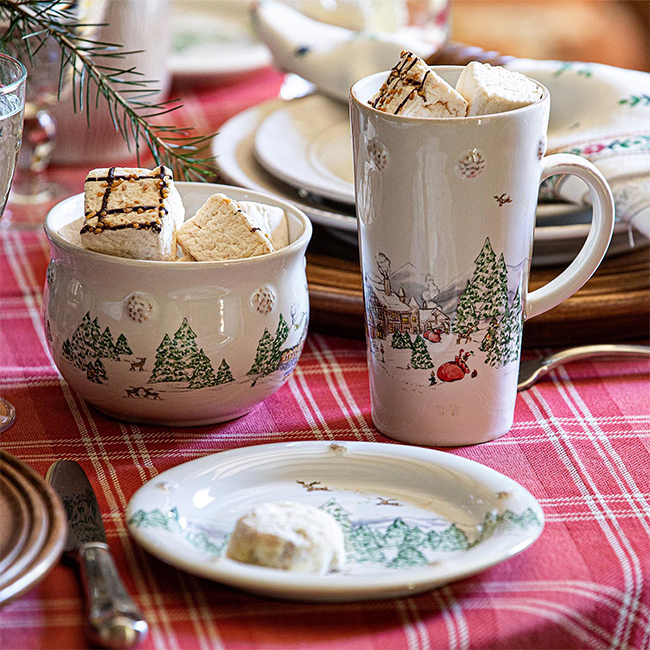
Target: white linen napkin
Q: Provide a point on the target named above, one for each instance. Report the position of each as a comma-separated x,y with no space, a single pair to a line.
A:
599,112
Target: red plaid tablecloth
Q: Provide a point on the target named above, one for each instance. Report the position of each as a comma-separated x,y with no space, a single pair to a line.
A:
580,444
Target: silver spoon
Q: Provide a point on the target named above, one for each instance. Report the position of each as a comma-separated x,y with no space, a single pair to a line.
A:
531,371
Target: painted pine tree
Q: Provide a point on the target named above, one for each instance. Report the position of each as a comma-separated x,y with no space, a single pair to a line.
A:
466,317
67,350
122,346
515,328
420,357
203,376
486,294
281,334
453,539
407,556
91,373
400,341
105,346
100,370
490,341
396,533
498,300
342,516
84,341
224,376
185,345
168,365
365,545
264,349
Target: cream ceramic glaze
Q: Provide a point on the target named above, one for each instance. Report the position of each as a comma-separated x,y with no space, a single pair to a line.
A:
188,343
446,211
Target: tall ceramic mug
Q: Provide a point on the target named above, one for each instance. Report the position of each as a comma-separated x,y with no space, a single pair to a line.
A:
446,211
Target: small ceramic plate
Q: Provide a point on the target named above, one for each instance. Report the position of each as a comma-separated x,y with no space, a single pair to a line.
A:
414,518
214,40
33,528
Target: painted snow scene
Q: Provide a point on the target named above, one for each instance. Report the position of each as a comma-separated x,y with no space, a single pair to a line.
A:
179,363
428,336
380,532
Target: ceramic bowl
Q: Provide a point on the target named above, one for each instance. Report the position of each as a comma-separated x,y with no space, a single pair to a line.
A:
176,343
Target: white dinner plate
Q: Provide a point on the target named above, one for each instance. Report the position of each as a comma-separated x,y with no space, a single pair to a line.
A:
213,40
234,147
306,142
414,519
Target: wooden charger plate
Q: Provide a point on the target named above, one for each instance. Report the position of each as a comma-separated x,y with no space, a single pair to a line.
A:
33,530
613,306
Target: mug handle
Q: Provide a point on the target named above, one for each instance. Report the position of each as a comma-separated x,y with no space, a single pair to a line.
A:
593,250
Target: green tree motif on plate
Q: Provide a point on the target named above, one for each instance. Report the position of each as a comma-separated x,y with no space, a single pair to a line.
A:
407,557
342,516
170,521
450,539
398,546
365,545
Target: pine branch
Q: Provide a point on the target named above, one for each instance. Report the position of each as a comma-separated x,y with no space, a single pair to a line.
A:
31,23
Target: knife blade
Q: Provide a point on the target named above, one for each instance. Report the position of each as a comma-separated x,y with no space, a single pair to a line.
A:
113,620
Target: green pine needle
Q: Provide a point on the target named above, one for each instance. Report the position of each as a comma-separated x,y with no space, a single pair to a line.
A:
95,64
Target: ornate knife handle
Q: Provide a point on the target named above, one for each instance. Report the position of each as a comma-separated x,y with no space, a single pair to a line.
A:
113,619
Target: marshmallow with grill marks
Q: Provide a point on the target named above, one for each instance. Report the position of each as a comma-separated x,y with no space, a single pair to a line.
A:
414,90
493,89
132,212
222,230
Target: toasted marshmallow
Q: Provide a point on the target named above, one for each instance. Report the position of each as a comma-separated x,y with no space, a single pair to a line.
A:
288,536
493,89
273,220
132,212
414,90
221,230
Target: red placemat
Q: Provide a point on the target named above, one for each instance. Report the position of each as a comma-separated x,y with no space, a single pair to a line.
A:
580,444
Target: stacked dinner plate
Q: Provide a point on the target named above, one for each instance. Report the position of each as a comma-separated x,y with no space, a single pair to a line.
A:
300,150
33,528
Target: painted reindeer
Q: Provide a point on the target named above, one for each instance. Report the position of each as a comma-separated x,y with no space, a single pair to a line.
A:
465,336
151,393
132,392
138,365
456,369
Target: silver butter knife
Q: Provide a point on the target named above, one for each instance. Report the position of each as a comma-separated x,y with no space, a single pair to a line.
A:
113,619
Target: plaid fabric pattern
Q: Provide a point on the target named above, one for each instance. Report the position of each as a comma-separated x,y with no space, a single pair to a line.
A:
580,444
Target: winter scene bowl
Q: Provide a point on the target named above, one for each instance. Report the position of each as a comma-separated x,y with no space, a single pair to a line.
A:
176,343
